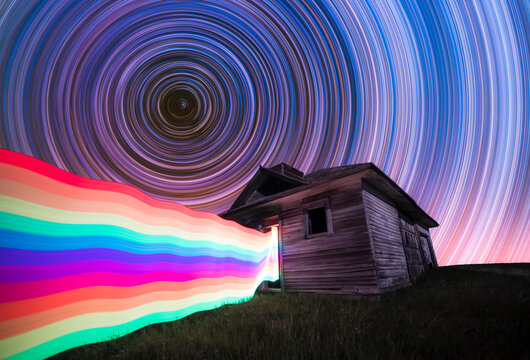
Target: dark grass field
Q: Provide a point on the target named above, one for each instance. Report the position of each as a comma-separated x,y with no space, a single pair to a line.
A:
470,312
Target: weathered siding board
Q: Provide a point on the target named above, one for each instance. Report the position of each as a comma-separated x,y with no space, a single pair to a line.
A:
304,249
390,260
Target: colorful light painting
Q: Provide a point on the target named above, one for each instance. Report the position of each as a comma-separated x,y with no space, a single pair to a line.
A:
85,260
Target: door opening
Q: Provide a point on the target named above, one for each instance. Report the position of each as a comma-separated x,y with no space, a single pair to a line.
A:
272,225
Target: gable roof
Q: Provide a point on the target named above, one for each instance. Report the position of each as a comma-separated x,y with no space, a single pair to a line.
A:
261,178
291,182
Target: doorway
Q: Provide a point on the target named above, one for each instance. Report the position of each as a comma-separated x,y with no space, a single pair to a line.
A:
272,224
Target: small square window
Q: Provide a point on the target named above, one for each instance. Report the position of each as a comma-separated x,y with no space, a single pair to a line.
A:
317,222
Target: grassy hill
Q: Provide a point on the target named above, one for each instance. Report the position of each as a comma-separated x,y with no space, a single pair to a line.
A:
453,312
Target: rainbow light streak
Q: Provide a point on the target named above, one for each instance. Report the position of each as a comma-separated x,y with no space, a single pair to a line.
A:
86,260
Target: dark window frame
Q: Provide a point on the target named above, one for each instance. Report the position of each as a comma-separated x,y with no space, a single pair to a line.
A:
324,203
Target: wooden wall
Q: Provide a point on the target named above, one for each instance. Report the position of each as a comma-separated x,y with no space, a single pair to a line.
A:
365,253
337,263
385,233
340,262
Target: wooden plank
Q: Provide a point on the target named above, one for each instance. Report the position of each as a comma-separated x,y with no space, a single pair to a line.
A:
390,257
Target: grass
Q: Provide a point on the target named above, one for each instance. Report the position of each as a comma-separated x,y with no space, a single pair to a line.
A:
452,312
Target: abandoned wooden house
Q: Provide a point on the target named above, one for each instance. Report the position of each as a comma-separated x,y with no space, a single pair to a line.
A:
342,230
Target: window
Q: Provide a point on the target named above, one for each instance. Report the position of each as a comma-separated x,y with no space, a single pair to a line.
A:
318,218
317,221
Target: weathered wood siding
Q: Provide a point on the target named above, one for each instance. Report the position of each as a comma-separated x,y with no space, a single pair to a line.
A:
365,253
383,223
337,263
340,262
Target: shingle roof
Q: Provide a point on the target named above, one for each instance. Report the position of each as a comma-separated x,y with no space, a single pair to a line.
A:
332,171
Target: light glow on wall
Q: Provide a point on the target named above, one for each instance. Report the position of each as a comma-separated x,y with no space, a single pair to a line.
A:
85,260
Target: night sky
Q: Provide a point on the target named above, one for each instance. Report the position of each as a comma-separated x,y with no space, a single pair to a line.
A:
184,100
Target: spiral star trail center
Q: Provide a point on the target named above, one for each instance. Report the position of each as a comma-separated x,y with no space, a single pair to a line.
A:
179,108
183,104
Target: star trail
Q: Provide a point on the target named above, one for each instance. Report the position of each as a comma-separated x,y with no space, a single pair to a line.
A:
183,100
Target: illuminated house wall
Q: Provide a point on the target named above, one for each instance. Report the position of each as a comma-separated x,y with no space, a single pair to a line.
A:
86,260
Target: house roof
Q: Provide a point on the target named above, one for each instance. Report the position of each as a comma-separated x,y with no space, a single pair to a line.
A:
326,173
282,180
262,177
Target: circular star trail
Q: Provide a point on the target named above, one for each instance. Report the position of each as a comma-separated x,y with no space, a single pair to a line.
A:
184,100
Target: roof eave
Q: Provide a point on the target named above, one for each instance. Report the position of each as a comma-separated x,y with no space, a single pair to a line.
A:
427,219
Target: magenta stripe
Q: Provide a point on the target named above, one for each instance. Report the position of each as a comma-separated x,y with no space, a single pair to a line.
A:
13,274
28,290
